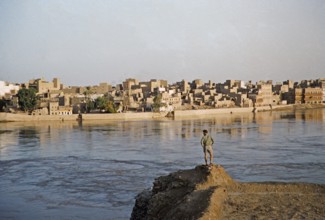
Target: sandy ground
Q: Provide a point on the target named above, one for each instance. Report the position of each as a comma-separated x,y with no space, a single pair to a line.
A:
275,201
210,193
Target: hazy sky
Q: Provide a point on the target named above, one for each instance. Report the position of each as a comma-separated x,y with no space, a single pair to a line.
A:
87,42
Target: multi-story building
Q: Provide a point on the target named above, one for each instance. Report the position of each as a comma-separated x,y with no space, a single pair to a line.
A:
322,86
225,102
128,83
298,96
263,96
41,86
171,99
40,111
153,84
71,90
7,90
184,86
280,88
290,84
197,84
102,88
313,95
55,109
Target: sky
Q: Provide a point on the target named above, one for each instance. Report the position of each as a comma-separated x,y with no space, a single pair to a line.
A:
85,42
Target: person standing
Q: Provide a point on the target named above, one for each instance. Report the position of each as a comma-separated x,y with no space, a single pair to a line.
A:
207,142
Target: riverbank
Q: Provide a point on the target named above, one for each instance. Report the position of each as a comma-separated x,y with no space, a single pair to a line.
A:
178,114
219,111
210,193
10,117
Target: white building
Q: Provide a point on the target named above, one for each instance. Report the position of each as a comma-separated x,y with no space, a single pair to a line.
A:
7,88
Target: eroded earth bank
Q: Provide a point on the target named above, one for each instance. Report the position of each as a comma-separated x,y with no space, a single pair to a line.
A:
210,193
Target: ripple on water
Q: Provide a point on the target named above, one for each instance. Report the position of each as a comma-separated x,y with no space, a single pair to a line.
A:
94,171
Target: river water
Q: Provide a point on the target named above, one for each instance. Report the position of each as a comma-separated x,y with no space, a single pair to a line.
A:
68,170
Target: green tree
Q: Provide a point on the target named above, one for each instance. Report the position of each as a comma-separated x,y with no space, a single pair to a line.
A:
110,107
27,99
157,103
90,105
2,104
101,103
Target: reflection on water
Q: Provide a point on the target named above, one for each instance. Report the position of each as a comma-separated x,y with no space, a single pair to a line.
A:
68,170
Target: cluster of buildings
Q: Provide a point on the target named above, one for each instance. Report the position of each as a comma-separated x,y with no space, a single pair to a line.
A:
132,95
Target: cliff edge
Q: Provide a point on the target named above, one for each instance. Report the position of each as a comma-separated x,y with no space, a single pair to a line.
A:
210,193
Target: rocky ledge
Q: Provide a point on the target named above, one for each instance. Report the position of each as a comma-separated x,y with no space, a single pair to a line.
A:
210,193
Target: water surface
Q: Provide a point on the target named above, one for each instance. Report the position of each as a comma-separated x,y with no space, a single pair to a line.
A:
67,170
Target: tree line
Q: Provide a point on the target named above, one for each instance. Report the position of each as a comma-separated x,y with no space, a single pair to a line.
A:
28,100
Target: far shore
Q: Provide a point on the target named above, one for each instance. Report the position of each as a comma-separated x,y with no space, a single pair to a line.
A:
178,114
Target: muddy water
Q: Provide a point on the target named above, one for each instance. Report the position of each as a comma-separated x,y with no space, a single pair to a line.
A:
94,170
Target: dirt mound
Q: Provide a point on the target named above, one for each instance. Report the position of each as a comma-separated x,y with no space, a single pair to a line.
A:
204,193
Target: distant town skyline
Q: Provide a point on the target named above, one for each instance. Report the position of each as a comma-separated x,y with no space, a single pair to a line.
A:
274,82
88,42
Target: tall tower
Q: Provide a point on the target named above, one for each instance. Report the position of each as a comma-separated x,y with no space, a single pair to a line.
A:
56,84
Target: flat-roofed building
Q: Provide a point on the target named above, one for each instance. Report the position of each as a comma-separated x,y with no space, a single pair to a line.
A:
264,95
55,109
197,83
298,96
322,86
41,86
8,89
313,95
128,83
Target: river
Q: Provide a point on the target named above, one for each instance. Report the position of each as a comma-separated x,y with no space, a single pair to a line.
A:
93,170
